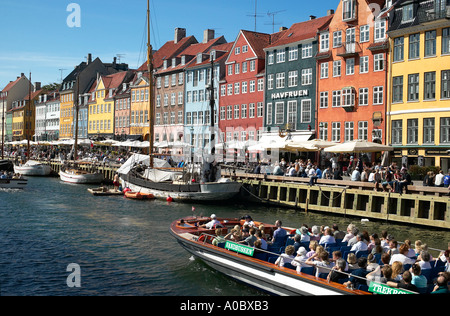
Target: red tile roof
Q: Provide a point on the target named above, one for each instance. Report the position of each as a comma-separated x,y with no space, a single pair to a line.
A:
301,31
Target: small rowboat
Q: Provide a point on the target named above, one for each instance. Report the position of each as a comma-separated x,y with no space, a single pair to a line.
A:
138,195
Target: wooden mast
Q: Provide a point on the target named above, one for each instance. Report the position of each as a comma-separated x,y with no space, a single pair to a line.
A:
28,120
75,147
150,86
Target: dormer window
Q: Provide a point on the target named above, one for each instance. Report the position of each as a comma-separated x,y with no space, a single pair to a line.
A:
212,55
174,62
199,58
165,64
407,14
183,60
348,10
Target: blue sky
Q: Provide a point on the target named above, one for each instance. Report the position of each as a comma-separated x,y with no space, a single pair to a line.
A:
36,38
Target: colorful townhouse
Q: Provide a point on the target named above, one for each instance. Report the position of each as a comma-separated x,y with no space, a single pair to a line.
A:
101,115
352,69
23,115
172,94
122,110
47,116
291,81
419,94
13,91
241,109
199,86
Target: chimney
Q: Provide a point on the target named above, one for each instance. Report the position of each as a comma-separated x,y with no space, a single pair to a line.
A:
115,61
330,12
312,17
180,33
22,74
89,59
208,35
37,86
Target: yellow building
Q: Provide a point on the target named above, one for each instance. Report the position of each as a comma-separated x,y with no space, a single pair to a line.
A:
23,117
101,111
139,125
66,114
418,110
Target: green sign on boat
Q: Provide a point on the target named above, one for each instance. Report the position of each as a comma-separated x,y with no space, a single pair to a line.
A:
379,288
239,248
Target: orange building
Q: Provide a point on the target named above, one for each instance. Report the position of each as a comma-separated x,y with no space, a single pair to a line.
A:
352,68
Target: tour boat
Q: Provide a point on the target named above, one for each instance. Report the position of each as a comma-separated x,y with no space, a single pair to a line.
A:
13,183
245,264
79,176
33,168
164,182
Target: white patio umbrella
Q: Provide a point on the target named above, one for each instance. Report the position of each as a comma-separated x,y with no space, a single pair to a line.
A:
320,143
358,146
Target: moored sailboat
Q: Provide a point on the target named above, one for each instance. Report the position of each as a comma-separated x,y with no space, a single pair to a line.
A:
33,168
193,183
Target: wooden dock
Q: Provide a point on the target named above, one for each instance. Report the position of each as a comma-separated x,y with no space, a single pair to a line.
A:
427,206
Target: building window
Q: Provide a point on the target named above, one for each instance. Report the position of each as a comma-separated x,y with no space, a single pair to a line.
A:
445,130
378,95
270,58
337,39
397,89
429,86
236,111
363,127
306,111
306,76
428,130
336,68
269,114
398,48
270,82
336,131
378,62
260,109
380,30
280,80
324,42
323,132
251,110
364,64
324,99
292,114
229,112
279,113
293,53
348,10
222,113
244,111
281,56
407,14
307,50
446,40
348,131
412,131
430,43
336,98
397,126
414,46
293,78
364,33
348,97
363,96
413,87
324,70
445,84
350,66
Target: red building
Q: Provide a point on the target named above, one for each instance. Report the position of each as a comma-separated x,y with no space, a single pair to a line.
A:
241,93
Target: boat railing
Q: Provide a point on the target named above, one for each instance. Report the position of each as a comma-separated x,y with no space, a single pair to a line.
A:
375,279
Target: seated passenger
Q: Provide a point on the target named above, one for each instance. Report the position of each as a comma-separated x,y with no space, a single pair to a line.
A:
300,259
327,238
405,283
401,256
357,276
219,238
279,234
286,257
250,240
336,272
213,223
322,263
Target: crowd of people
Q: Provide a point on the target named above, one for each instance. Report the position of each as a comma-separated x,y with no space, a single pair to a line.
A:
383,259
390,178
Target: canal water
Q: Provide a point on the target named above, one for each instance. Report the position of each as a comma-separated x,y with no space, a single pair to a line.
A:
123,247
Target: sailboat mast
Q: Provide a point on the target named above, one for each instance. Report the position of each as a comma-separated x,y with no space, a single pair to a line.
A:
212,114
150,86
28,119
75,147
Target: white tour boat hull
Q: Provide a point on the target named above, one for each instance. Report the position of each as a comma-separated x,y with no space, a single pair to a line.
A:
33,170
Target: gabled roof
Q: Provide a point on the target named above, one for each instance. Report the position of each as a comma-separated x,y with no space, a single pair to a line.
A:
169,50
302,31
10,85
222,48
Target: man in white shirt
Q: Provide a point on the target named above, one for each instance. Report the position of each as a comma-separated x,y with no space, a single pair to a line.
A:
213,223
439,179
360,245
356,176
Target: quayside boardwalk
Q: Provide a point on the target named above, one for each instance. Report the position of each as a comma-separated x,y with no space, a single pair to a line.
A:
428,206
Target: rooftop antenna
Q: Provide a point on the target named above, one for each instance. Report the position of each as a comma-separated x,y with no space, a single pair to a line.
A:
119,56
272,14
255,15
61,70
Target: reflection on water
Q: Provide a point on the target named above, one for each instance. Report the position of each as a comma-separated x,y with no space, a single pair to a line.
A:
124,246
